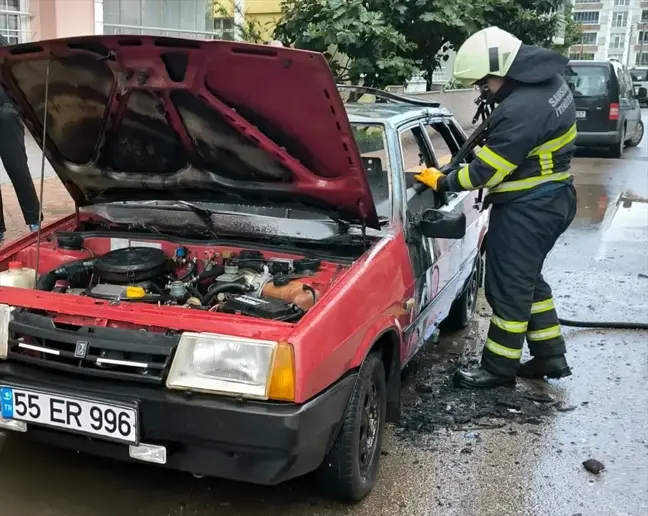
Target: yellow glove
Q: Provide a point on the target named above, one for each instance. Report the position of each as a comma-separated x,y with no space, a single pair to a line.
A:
430,177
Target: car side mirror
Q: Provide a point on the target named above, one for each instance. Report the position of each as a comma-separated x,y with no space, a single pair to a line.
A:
642,93
439,224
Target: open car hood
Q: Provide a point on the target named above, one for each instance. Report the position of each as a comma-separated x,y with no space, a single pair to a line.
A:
144,117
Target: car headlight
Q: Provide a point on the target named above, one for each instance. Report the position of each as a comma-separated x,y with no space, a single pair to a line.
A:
208,362
6,312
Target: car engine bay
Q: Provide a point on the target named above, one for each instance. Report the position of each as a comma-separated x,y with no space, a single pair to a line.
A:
250,282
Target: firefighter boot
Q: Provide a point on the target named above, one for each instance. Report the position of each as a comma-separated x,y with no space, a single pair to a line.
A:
481,378
549,367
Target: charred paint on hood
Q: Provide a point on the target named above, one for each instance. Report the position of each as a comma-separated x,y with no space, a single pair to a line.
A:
132,117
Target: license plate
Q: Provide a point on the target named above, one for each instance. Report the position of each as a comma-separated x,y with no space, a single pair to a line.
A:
581,114
107,420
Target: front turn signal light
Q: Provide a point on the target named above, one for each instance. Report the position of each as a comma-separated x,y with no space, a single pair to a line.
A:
282,377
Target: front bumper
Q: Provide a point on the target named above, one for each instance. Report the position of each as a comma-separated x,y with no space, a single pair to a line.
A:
598,139
260,443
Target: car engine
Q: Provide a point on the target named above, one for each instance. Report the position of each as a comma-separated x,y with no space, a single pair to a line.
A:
243,283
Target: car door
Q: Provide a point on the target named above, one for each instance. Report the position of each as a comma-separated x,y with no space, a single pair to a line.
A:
635,106
429,259
445,138
627,103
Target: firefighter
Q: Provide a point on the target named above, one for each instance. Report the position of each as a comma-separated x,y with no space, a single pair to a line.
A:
524,165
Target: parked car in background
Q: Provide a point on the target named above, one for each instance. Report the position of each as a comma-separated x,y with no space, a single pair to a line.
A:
245,275
640,80
608,113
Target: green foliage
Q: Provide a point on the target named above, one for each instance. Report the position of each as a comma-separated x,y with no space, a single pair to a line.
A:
361,45
385,40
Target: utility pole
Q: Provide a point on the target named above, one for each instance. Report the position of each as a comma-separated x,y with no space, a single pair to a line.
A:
642,36
629,46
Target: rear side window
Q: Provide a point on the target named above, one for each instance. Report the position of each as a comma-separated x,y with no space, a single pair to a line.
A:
587,81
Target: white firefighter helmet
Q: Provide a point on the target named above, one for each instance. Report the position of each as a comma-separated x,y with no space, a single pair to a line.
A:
490,51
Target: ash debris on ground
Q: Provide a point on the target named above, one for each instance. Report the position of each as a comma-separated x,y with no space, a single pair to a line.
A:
430,402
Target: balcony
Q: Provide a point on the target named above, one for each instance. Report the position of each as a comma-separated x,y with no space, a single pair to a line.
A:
594,6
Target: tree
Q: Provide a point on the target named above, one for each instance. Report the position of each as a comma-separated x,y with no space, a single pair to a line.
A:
361,45
386,38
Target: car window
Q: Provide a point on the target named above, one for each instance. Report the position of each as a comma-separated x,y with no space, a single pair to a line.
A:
372,145
587,81
639,75
413,153
625,86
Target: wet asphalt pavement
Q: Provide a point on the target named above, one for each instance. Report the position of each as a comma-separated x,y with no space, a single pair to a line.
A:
455,453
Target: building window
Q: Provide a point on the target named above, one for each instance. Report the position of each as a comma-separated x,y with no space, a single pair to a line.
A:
643,36
642,59
174,18
644,16
225,27
587,17
622,3
14,21
620,19
588,38
617,42
586,56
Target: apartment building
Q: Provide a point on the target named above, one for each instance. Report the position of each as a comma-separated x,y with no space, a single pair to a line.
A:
31,20
612,29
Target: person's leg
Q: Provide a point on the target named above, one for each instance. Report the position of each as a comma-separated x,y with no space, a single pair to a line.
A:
544,336
520,236
14,159
546,342
509,281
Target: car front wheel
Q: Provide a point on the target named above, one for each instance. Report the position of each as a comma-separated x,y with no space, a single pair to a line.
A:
350,469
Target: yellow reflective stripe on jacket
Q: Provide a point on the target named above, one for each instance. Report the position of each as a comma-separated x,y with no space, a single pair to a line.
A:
503,351
545,151
546,163
463,176
555,144
510,326
525,184
542,306
501,165
546,334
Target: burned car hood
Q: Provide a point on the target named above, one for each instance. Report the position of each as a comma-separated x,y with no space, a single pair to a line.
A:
140,117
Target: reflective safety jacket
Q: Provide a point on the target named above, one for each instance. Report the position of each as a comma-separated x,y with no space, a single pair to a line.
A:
530,139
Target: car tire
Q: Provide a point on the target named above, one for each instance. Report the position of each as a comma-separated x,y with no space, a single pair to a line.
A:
463,309
350,469
616,150
636,139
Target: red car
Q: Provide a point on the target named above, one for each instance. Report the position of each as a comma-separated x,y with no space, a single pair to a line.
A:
240,285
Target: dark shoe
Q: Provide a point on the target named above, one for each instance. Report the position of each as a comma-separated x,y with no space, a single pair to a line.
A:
541,367
480,378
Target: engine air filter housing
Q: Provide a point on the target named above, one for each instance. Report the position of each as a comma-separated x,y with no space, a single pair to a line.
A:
132,265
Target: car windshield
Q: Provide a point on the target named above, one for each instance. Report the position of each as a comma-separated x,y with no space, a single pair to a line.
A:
587,80
639,74
372,145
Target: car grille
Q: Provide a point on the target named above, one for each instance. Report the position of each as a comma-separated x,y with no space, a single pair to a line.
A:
129,355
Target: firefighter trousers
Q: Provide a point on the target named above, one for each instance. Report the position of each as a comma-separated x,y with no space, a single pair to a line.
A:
520,236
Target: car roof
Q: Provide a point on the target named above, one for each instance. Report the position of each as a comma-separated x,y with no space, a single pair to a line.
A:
391,113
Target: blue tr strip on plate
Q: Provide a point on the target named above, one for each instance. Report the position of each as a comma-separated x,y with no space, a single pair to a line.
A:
7,400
